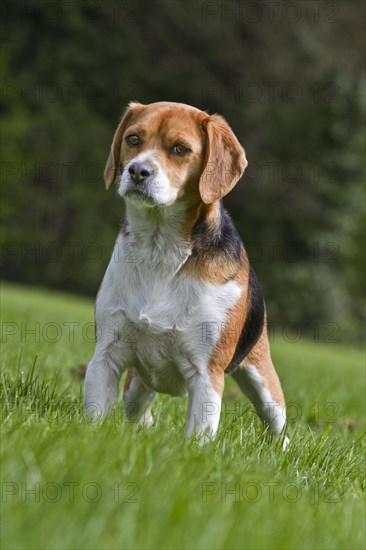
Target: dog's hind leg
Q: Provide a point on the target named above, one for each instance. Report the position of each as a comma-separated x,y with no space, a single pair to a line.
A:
138,399
258,379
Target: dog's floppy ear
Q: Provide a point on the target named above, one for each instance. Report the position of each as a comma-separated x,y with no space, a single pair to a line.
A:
112,165
224,162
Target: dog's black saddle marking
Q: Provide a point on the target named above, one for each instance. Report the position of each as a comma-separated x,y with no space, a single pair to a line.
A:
253,325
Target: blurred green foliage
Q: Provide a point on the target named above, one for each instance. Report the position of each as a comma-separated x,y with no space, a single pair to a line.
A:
289,79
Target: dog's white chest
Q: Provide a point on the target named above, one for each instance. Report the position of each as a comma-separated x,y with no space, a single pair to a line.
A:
173,320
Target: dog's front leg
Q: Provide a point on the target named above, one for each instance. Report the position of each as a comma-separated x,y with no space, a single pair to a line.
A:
204,406
104,371
101,386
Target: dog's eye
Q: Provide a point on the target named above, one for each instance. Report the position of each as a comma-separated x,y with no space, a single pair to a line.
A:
133,140
180,149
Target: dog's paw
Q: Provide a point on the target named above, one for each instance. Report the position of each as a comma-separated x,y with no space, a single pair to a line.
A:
146,420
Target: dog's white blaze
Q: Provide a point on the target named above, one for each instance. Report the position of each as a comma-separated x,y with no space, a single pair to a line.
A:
160,189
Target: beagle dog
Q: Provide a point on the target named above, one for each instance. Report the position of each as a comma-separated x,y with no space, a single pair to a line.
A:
180,306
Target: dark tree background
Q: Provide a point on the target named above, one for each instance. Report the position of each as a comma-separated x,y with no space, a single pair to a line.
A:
288,77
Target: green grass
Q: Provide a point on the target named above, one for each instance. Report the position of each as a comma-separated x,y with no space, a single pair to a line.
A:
140,488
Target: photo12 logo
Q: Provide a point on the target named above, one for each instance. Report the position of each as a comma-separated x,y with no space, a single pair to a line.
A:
69,491
270,491
271,92
269,11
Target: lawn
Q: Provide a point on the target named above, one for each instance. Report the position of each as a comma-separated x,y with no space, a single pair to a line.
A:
68,484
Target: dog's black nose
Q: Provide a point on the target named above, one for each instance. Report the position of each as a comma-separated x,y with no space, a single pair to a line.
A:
139,171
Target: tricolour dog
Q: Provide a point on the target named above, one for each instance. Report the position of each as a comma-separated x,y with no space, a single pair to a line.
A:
179,305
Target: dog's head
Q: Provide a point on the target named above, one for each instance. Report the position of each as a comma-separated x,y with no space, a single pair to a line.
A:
170,151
